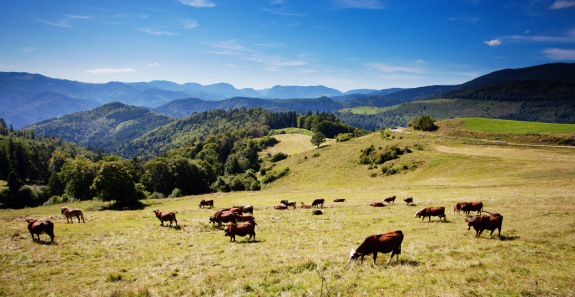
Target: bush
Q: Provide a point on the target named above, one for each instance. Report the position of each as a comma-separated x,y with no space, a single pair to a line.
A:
344,137
423,123
274,175
279,156
175,193
157,195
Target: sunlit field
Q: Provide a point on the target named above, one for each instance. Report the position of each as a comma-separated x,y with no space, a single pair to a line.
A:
128,253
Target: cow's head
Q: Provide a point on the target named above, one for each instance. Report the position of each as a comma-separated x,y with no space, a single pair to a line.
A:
156,212
470,221
30,221
417,214
353,255
63,209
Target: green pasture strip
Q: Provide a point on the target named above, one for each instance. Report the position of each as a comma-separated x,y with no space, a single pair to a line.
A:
519,127
294,131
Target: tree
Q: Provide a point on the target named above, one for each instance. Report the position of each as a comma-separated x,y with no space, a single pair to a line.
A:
424,123
114,183
317,139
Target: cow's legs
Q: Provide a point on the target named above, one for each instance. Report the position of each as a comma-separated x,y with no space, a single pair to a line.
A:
374,257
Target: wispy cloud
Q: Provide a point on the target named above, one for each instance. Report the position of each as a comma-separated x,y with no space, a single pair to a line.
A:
392,69
110,70
276,61
562,4
198,3
569,37
156,32
29,49
65,22
283,12
360,4
493,43
559,54
190,24
155,64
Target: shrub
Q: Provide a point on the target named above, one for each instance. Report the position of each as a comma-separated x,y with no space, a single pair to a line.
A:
274,175
279,156
344,137
175,193
423,123
157,195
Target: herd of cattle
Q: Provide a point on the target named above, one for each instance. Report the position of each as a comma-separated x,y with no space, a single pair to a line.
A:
241,222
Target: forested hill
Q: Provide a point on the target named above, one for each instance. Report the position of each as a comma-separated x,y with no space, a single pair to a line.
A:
105,127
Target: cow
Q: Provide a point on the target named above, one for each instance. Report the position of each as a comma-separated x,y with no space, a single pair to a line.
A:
245,218
316,212
317,202
206,202
288,203
246,209
390,199
480,223
339,200
379,243
236,210
165,216
280,207
305,206
473,206
457,207
431,211
224,217
71,213
241,229
408,200
40,227
377,204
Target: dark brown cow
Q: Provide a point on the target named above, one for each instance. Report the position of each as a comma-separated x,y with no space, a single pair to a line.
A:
224,217
377,204
480,223
317,202
206,202
431,212
71,213
473,206
339,200
246,209
166,216
305,206
408,200
245,218
241,229
288,203
457,207
36,227
380,243
280,207
236,210
390,199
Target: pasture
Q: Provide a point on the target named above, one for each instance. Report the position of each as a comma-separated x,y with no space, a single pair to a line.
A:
128,253
507,126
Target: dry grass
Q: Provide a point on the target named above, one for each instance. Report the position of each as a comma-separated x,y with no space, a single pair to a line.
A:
296,254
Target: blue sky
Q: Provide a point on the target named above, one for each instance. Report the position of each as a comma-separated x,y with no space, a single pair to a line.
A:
342,44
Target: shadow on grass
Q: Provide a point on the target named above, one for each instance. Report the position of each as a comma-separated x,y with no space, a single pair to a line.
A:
248,242
404,263
132,206
41,242
178,227
506,238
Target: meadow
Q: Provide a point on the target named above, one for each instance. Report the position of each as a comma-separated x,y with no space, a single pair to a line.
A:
128,253
507,126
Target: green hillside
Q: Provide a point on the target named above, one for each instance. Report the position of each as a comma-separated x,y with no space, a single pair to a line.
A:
127,253
506,126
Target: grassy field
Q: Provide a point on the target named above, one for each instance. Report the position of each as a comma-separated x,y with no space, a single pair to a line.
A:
506,126
128,253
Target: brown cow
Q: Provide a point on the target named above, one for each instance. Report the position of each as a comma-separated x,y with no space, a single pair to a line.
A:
71,213
408,200
305,206
280,207
224,217
236,210
36,227
241,229
317,202
165,216
480,223
288,203
473,206
246,209
390,199
206,202
431,211
339,200
377,204
457,207
380,243
245,218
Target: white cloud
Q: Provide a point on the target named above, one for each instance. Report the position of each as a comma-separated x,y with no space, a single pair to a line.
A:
64,23
190,24
559,54
391,69
155,64
198,3
155,32
569,37
493,43
29,49
110,70
562,4
362,4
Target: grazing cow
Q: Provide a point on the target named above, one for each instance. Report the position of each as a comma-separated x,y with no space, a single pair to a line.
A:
380,243
316,212
71,213
246,209
288,203
236,210
339,200
36,227
457,207
166,216
245,218
241,229
431,211
280,207
305,206
473,206
408,200
480,223
377,204
206,202
224,217
390,199
317,202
